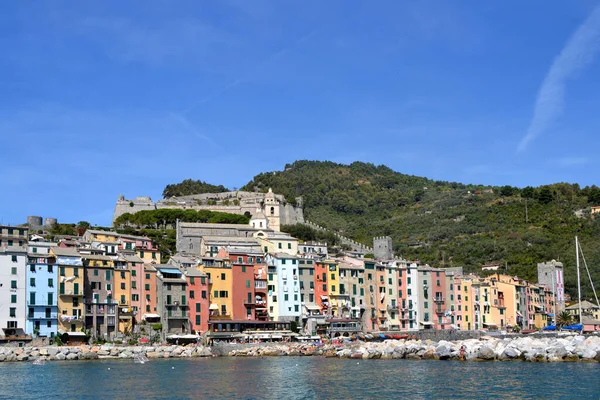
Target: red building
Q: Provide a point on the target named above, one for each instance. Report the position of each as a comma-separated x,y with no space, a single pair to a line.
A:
198,300
321,288
242,286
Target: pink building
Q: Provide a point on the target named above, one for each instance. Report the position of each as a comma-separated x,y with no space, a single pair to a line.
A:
198,300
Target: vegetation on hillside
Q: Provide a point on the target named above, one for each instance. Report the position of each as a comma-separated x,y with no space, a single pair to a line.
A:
189,186
165,218
447,223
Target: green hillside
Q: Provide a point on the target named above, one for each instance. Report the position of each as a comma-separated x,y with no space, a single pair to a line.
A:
447,223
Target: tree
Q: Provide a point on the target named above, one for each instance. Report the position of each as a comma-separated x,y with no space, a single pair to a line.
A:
528,192
545,195
564,319
507,191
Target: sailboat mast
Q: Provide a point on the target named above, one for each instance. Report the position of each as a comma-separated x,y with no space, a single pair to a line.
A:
578,280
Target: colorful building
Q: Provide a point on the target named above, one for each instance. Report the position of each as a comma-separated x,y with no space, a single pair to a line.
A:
42,290
286,300
70,291
172,306
197,294
101,306
13,261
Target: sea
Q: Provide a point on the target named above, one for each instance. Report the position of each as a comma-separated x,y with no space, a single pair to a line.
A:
298,378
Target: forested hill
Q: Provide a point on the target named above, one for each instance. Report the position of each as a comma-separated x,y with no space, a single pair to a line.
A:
447,223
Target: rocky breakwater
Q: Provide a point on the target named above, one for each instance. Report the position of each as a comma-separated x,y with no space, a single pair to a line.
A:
106,351
572,348
284,349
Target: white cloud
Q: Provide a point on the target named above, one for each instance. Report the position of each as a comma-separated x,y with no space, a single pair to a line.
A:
577,54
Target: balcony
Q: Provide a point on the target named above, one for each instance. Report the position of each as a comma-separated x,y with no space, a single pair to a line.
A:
72,293
260,285
249,302
220,317
45,316
393,307
440,312
438,299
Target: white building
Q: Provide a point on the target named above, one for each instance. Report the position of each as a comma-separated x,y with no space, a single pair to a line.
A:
286,298
412,296
13,261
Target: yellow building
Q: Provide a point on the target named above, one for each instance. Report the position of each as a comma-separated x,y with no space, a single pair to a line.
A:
504,304
339,299
220,284
277,242
467,307
122,294
70,290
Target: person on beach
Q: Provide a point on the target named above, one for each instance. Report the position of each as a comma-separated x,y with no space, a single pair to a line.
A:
462,353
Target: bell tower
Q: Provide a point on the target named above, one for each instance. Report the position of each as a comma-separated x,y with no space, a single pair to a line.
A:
271,210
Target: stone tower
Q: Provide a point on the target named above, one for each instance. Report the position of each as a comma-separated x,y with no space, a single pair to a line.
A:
382,248
271,210
551,274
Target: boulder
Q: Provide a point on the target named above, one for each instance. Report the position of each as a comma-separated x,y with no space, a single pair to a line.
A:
60,356
486,353
11,357
443,352
89,355
52,351
588,354
153,354
177,351
2,357
72,356
126,354
509,354
22,357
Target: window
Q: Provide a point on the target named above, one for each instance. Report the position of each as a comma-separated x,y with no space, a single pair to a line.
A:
438,282
169,287
141,254
216,294
147,276
324,288
311,285
223,276
204,294
274,299
183,299
13,298
198,319
312,272
133,271
133,284
332,277
169,299
123,285
289,247
13,270
108,286
32,282
279,245
13,312
333,288
50,282
247,283
285,297
147,286
13,284
192,294
426,304
14,258
123,300
95,272
224,294
108,275
197,307
296,308
154,255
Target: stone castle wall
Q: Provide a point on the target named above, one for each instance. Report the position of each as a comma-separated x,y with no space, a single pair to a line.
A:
248,202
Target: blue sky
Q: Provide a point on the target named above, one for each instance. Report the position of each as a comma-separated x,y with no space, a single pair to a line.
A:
103,98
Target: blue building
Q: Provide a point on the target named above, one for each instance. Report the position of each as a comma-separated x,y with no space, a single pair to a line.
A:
41,290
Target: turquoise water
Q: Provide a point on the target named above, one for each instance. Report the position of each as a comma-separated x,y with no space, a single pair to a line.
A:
298,378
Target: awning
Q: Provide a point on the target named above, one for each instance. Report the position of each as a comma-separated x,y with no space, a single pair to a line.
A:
519,314
489,324
146,316
125,316
312,306
170,271
81,334
381,335
426,323
213,306
323,297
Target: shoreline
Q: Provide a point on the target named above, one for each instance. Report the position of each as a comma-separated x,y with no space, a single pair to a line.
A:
568,349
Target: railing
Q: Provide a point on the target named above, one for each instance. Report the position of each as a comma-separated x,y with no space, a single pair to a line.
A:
438,299
45,316
249,302
72,293
260,285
